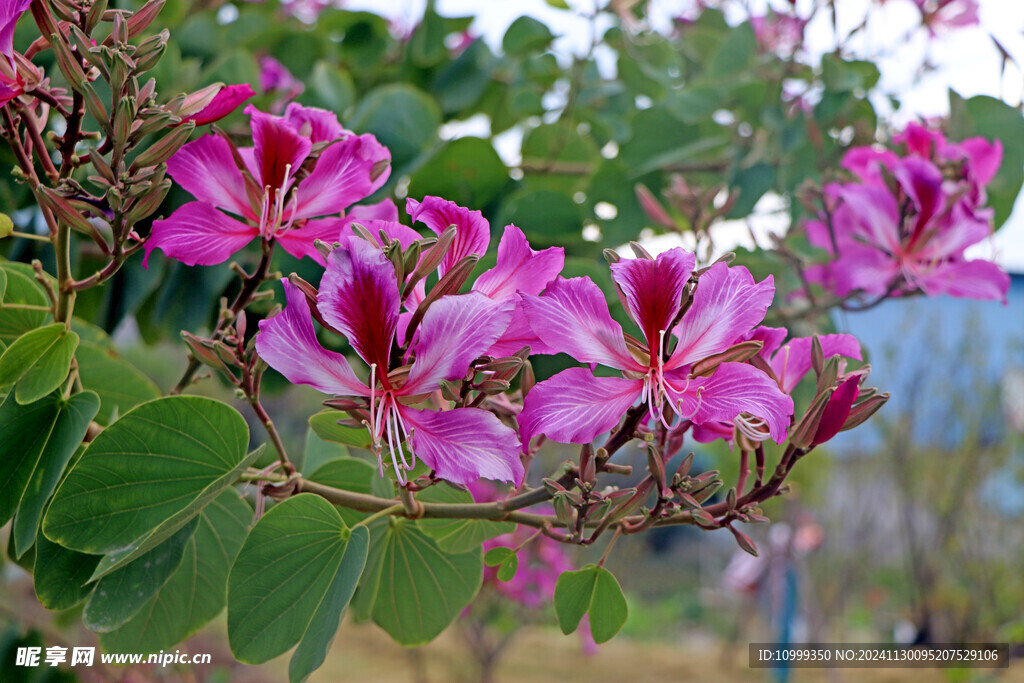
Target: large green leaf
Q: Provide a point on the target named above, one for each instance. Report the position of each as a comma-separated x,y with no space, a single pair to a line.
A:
122,593
592,590
145,476
3,282
44,455
197,591
412,589
526,35
61,576
313,647
403,118
283,575
117,382
348,474
38,361
21,290
325,424
458,535
319,451
38,440
466,170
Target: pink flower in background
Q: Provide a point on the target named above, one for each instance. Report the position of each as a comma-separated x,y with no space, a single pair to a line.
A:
227,99
276,78
904,226
259,185
359,298
778,33
10,12
575,406
938,14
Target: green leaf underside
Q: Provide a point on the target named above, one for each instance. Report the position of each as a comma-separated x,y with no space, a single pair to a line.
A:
23,290
411,588
458,535
38,441
37,362
595,590
313,647
62,436
122,593
197,591
282,576
146,476
60,576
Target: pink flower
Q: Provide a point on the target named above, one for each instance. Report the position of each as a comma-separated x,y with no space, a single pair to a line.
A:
276,78
937,14
10,12
778,33
259,185
359,298
572,317
227,99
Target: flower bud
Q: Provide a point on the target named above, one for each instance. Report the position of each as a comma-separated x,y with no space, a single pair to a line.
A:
836,411
860,412
150,51
68,63
737,353
652,207
164,148
744,541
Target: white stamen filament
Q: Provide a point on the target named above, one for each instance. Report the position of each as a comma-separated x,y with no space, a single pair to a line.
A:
272,218
386,423
750,427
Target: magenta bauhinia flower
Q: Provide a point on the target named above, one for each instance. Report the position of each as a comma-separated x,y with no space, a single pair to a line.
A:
572,317
359,298
227,99
258,191
10,12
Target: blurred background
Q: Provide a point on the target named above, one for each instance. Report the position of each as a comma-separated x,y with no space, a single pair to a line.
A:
558,116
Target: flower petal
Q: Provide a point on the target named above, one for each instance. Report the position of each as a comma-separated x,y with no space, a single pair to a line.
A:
876,214
726,305
517,335
207,170
732,389
342,176
384,210
465,444
576,407
299,241
278,149
455,330
978,279
772,337
793,360
359,298
199,234
519,268
287,342
922,182
474,232
653,290
224,102
572,317
319,125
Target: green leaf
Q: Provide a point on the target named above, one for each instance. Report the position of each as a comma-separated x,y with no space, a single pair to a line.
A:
44,436
557,4
145,476
325,424
348,474
315,643
467,171
402,118
22,289
283,575
752,183
463,82
547,217
197,591
561,147
458,535
426,45
122,593
526,35
319,452
330,88
412,589
38,361
735,54
3,284
595,590
118,383
61,576
6,228
505,559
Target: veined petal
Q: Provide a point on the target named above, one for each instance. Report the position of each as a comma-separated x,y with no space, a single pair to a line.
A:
287,342
299,241
793,360
517,335
474,233
384,210
978,279
359,298
726,305
865,268
207,170
572,317
876,212
455,330
319,125
732,389
342,176
199,234
224,102
465,444
865,162
922,181
519,268
653,290
278,149
772,337
576,407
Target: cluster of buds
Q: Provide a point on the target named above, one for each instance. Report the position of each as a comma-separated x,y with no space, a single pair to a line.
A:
689,207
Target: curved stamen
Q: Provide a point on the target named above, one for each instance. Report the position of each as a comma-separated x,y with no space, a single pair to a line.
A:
749,426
